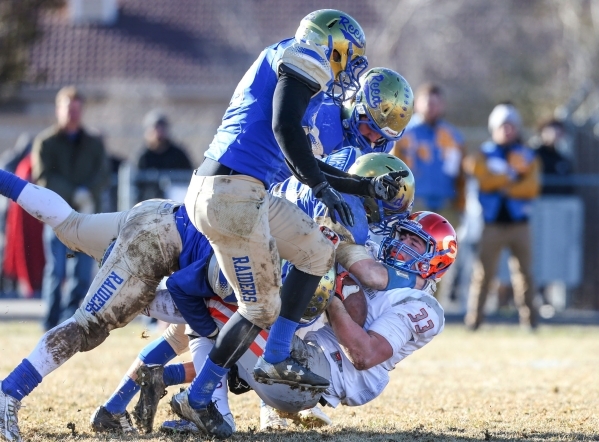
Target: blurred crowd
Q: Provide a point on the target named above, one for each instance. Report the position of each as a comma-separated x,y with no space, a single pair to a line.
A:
487,194
71,160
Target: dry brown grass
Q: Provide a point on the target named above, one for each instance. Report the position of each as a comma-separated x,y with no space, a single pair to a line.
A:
499,384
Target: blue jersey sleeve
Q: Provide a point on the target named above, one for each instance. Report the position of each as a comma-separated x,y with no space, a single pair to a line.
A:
189,297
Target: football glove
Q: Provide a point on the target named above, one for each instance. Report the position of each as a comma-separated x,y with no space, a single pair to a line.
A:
334,202
385,187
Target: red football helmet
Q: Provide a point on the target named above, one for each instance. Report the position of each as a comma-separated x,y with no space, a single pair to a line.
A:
441,246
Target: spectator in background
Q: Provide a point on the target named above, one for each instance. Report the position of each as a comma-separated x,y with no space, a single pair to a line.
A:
433,149
508,175
159,152
554,163
9,160
23,254
71,161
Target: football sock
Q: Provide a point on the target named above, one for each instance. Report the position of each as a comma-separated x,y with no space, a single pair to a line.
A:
23,379
174,374
202,387
44,204
220,396
278,344
117,403
158,351
11,185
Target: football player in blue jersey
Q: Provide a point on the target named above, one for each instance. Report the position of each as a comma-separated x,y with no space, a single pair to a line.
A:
124,286
249,230
388,113
351,253
372,121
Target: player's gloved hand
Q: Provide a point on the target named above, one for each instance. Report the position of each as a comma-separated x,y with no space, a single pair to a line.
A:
334,202
385,187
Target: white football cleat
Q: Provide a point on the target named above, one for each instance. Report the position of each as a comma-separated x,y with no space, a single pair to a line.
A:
270,419
314,418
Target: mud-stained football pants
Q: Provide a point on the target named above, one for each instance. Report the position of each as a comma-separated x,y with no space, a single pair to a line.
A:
147,249
280,396
250,231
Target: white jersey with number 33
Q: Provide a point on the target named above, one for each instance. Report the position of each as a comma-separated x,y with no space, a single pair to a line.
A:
407,318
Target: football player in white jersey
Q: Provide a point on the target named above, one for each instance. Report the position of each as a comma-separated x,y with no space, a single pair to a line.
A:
357,359
354,354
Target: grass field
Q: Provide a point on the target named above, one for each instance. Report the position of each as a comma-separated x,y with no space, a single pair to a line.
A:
498,384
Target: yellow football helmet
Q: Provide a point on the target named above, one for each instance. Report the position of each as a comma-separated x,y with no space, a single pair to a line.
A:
385,102
347,44
382,215
321,299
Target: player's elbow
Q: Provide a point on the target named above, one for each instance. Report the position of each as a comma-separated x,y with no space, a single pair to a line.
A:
361,359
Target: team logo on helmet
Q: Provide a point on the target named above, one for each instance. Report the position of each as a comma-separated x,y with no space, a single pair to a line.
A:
351,32
372,90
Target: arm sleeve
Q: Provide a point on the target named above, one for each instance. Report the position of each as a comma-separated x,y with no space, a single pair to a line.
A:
291,98
344,182
290,101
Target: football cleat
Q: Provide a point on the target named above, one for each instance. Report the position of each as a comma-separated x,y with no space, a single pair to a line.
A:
314,418
103,421
209,420
270,419
289,372
150,379
9,421
186,427
180,427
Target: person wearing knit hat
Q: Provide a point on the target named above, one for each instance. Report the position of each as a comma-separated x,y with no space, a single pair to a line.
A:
159,153
508,175
505,113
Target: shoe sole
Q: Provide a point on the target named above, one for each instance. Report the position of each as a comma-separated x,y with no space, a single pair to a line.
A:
176,408
172,430
302,387
142,418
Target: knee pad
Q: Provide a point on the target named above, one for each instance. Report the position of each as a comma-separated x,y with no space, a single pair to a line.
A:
322,257
263,313
176,338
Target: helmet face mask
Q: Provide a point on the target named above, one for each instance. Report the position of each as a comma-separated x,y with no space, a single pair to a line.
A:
385,102
440,250
346,44
382,215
